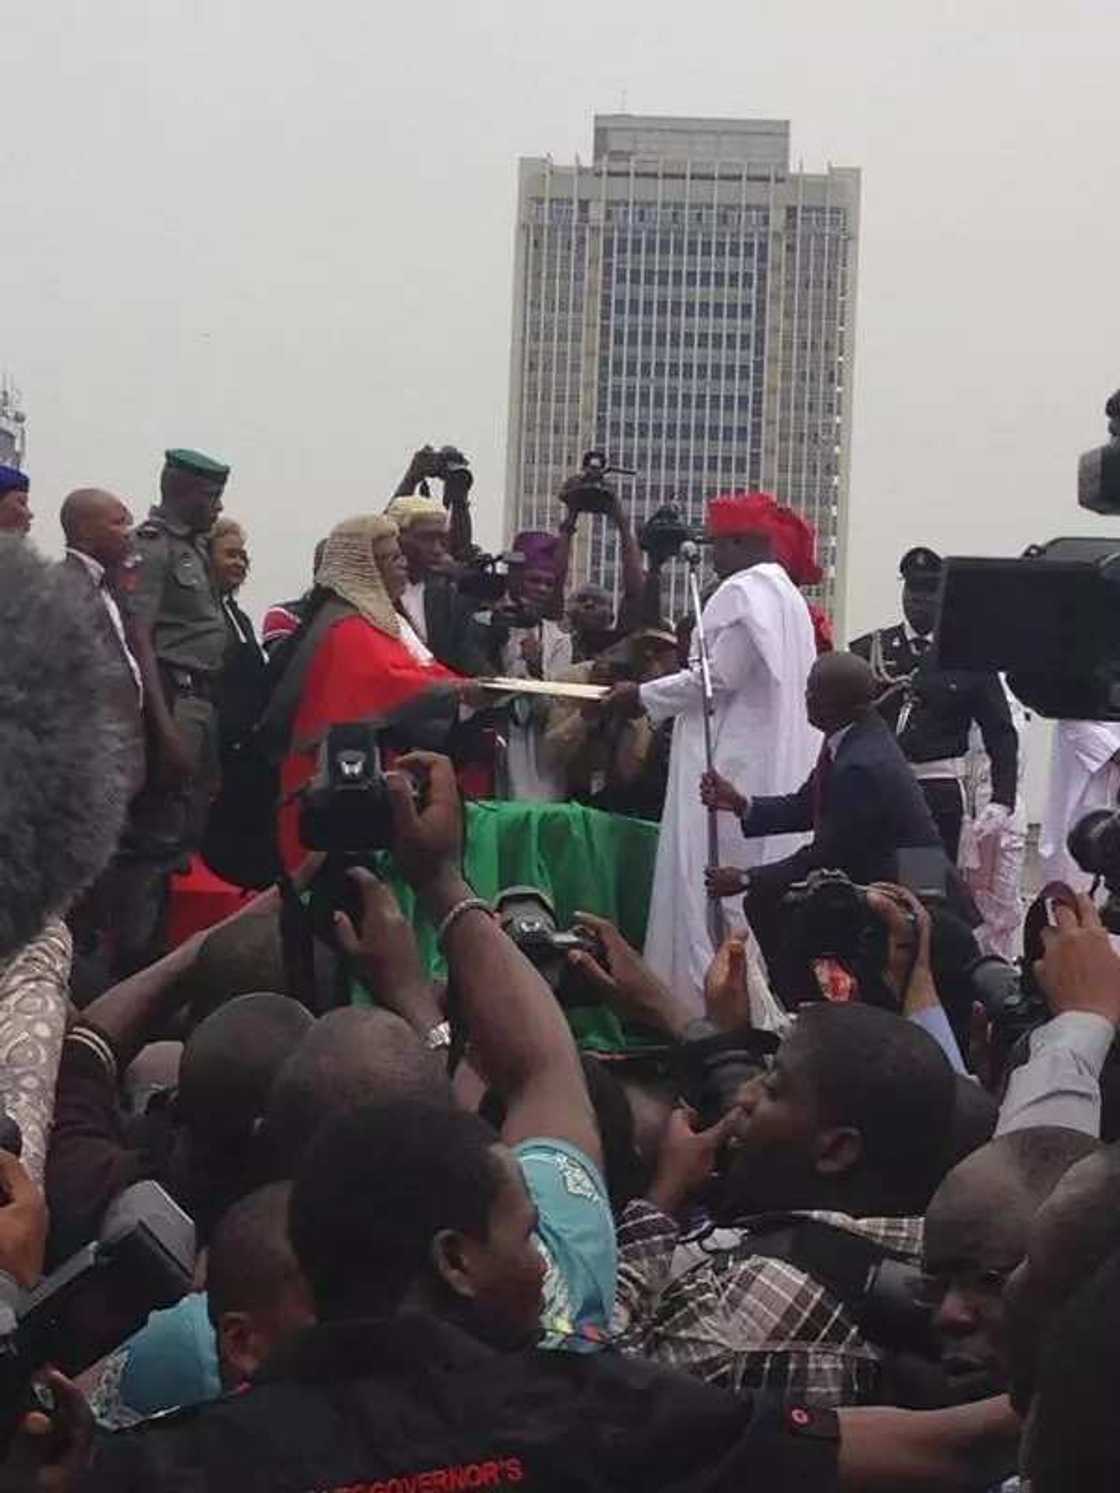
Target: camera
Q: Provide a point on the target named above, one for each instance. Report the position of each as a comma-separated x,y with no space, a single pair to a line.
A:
1098,471
527,916
664,532
484,578
831,917
588,491
1094,843
346,810
449,466
1051,619
142,1261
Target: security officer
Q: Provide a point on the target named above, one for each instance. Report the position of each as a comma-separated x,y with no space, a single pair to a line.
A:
931,710
180,638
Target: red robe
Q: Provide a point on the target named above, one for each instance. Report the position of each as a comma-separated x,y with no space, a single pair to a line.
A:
358,672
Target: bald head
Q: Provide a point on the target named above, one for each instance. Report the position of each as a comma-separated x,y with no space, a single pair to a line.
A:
351,1057
841,690
98,524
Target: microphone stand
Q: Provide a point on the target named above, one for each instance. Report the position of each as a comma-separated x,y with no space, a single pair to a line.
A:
690,553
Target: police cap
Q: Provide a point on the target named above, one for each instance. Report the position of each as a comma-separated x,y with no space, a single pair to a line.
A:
197,465
13,480
920,567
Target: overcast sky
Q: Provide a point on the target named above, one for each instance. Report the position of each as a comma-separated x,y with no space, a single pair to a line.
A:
283,233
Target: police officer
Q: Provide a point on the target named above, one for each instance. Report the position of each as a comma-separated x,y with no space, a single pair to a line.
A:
180,637
932,710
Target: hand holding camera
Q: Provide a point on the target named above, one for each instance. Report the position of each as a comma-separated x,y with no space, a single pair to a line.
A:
385,952
449,466
908,971
625,981
1079,970
427,839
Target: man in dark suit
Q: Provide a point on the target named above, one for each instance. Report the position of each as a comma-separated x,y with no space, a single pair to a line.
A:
97,528
440,615
861,801
931,709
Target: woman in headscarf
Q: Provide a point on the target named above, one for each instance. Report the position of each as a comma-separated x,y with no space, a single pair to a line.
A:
357,658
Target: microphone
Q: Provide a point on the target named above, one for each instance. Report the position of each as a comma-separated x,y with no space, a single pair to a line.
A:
690,552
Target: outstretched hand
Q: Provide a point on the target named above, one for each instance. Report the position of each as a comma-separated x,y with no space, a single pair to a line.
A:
727,997
688,1158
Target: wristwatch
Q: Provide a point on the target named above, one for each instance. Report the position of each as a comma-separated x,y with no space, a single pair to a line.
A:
439,1036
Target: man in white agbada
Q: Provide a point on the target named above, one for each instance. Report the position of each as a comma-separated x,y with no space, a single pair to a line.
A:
761,645
1084,775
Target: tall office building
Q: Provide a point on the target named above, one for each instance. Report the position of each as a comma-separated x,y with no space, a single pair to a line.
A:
685,303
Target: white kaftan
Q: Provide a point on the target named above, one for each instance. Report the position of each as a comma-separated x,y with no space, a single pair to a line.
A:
532,776
1083,776
761,645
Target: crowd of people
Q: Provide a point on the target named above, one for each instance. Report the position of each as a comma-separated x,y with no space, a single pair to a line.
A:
288,1205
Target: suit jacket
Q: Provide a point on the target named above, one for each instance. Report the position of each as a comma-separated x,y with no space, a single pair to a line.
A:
940,707
872,806
453,635
124,696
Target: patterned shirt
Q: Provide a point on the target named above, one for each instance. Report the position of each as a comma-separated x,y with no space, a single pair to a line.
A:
715,1308
34,999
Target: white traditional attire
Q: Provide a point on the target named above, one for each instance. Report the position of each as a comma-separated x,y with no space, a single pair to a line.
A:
761,646
531,773
1083,776
993,862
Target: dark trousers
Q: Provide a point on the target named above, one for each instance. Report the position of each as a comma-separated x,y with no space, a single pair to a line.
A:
946,804
121,925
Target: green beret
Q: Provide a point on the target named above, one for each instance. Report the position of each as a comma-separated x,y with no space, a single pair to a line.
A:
197,464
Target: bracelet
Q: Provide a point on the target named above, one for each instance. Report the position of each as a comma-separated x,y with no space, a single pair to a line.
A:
468,904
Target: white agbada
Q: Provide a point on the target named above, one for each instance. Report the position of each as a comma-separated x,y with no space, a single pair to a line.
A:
760,640
1083,776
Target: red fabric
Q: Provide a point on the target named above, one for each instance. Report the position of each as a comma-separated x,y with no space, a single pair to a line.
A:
822,628
357,673
199,899
278,623
795,547
738,513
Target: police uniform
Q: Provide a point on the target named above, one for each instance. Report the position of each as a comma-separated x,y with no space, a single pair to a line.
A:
174,594
931,710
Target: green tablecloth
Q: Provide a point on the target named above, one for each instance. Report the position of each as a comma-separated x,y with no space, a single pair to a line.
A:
585,860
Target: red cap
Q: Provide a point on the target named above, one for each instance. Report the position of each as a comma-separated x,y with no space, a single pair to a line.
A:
737,513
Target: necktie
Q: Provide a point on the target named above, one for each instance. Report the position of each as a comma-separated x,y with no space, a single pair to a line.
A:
821,774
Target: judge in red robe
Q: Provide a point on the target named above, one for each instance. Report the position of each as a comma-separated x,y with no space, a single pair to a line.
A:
367,661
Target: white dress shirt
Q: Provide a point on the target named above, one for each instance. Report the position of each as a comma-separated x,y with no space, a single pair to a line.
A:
96,573
412,600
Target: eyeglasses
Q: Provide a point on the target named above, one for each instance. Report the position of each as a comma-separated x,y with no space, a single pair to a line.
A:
973,1283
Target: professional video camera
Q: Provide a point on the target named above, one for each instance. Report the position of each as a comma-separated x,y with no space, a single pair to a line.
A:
527,915
588,492
142,1261
449,466
484,578
1050,620
346,810
1094,843
664,532
831,917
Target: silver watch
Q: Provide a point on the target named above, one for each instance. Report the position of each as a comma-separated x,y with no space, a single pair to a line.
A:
439,1036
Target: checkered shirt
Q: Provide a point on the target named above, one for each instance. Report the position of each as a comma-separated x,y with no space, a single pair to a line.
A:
715,1308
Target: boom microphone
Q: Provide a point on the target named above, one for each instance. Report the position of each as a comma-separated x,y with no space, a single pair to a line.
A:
63,754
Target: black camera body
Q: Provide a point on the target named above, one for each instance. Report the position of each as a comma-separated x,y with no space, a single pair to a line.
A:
1094,843
484,578
589,492
664,532
527,916
346,809
830,916
1051,619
